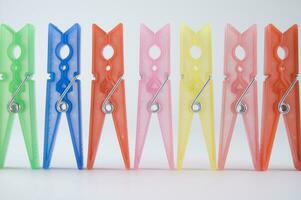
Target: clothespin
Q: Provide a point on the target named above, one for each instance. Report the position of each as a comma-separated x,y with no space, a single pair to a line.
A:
154,90
281,92
17,95
239,91
63,90
108,91
196,89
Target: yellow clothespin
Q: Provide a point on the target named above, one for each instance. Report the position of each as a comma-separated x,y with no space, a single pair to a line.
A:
196,89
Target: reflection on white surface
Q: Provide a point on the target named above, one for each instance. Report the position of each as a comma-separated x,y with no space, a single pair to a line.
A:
148,184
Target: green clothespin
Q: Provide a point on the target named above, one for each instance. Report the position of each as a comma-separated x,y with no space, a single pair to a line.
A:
17,96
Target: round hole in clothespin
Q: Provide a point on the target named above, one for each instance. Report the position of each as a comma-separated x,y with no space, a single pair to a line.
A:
240,53
108,52
17,52
239,69
108,68
154,68
63,67
281,53
64,51
154,52
14,67
195,52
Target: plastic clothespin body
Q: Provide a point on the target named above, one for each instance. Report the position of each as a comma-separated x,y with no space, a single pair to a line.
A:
239,91
17,89
281,92
63,90
154,90
108,91
196,90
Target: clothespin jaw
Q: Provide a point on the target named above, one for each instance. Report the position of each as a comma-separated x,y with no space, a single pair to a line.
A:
239,91
196,90
154,90
17,89
148,39
281,92
63,90
108,91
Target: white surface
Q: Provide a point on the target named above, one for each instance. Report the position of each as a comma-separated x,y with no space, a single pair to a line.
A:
148,185
66,183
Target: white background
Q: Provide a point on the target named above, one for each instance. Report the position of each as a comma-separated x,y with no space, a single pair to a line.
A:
153,181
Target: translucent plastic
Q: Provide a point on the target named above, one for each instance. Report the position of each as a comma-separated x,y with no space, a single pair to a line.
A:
14,70
62,71
153,73
239,72
195,72
107,72
280,75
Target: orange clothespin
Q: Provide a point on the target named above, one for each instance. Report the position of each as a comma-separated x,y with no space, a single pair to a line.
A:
281,92
108,93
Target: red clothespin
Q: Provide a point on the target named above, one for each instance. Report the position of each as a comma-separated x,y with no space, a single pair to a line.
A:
108,93
240,91
281,92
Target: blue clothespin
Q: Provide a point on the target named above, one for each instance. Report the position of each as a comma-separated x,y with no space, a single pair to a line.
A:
63,90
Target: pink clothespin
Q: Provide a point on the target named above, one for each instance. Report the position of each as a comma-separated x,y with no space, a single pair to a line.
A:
240,91
154,90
